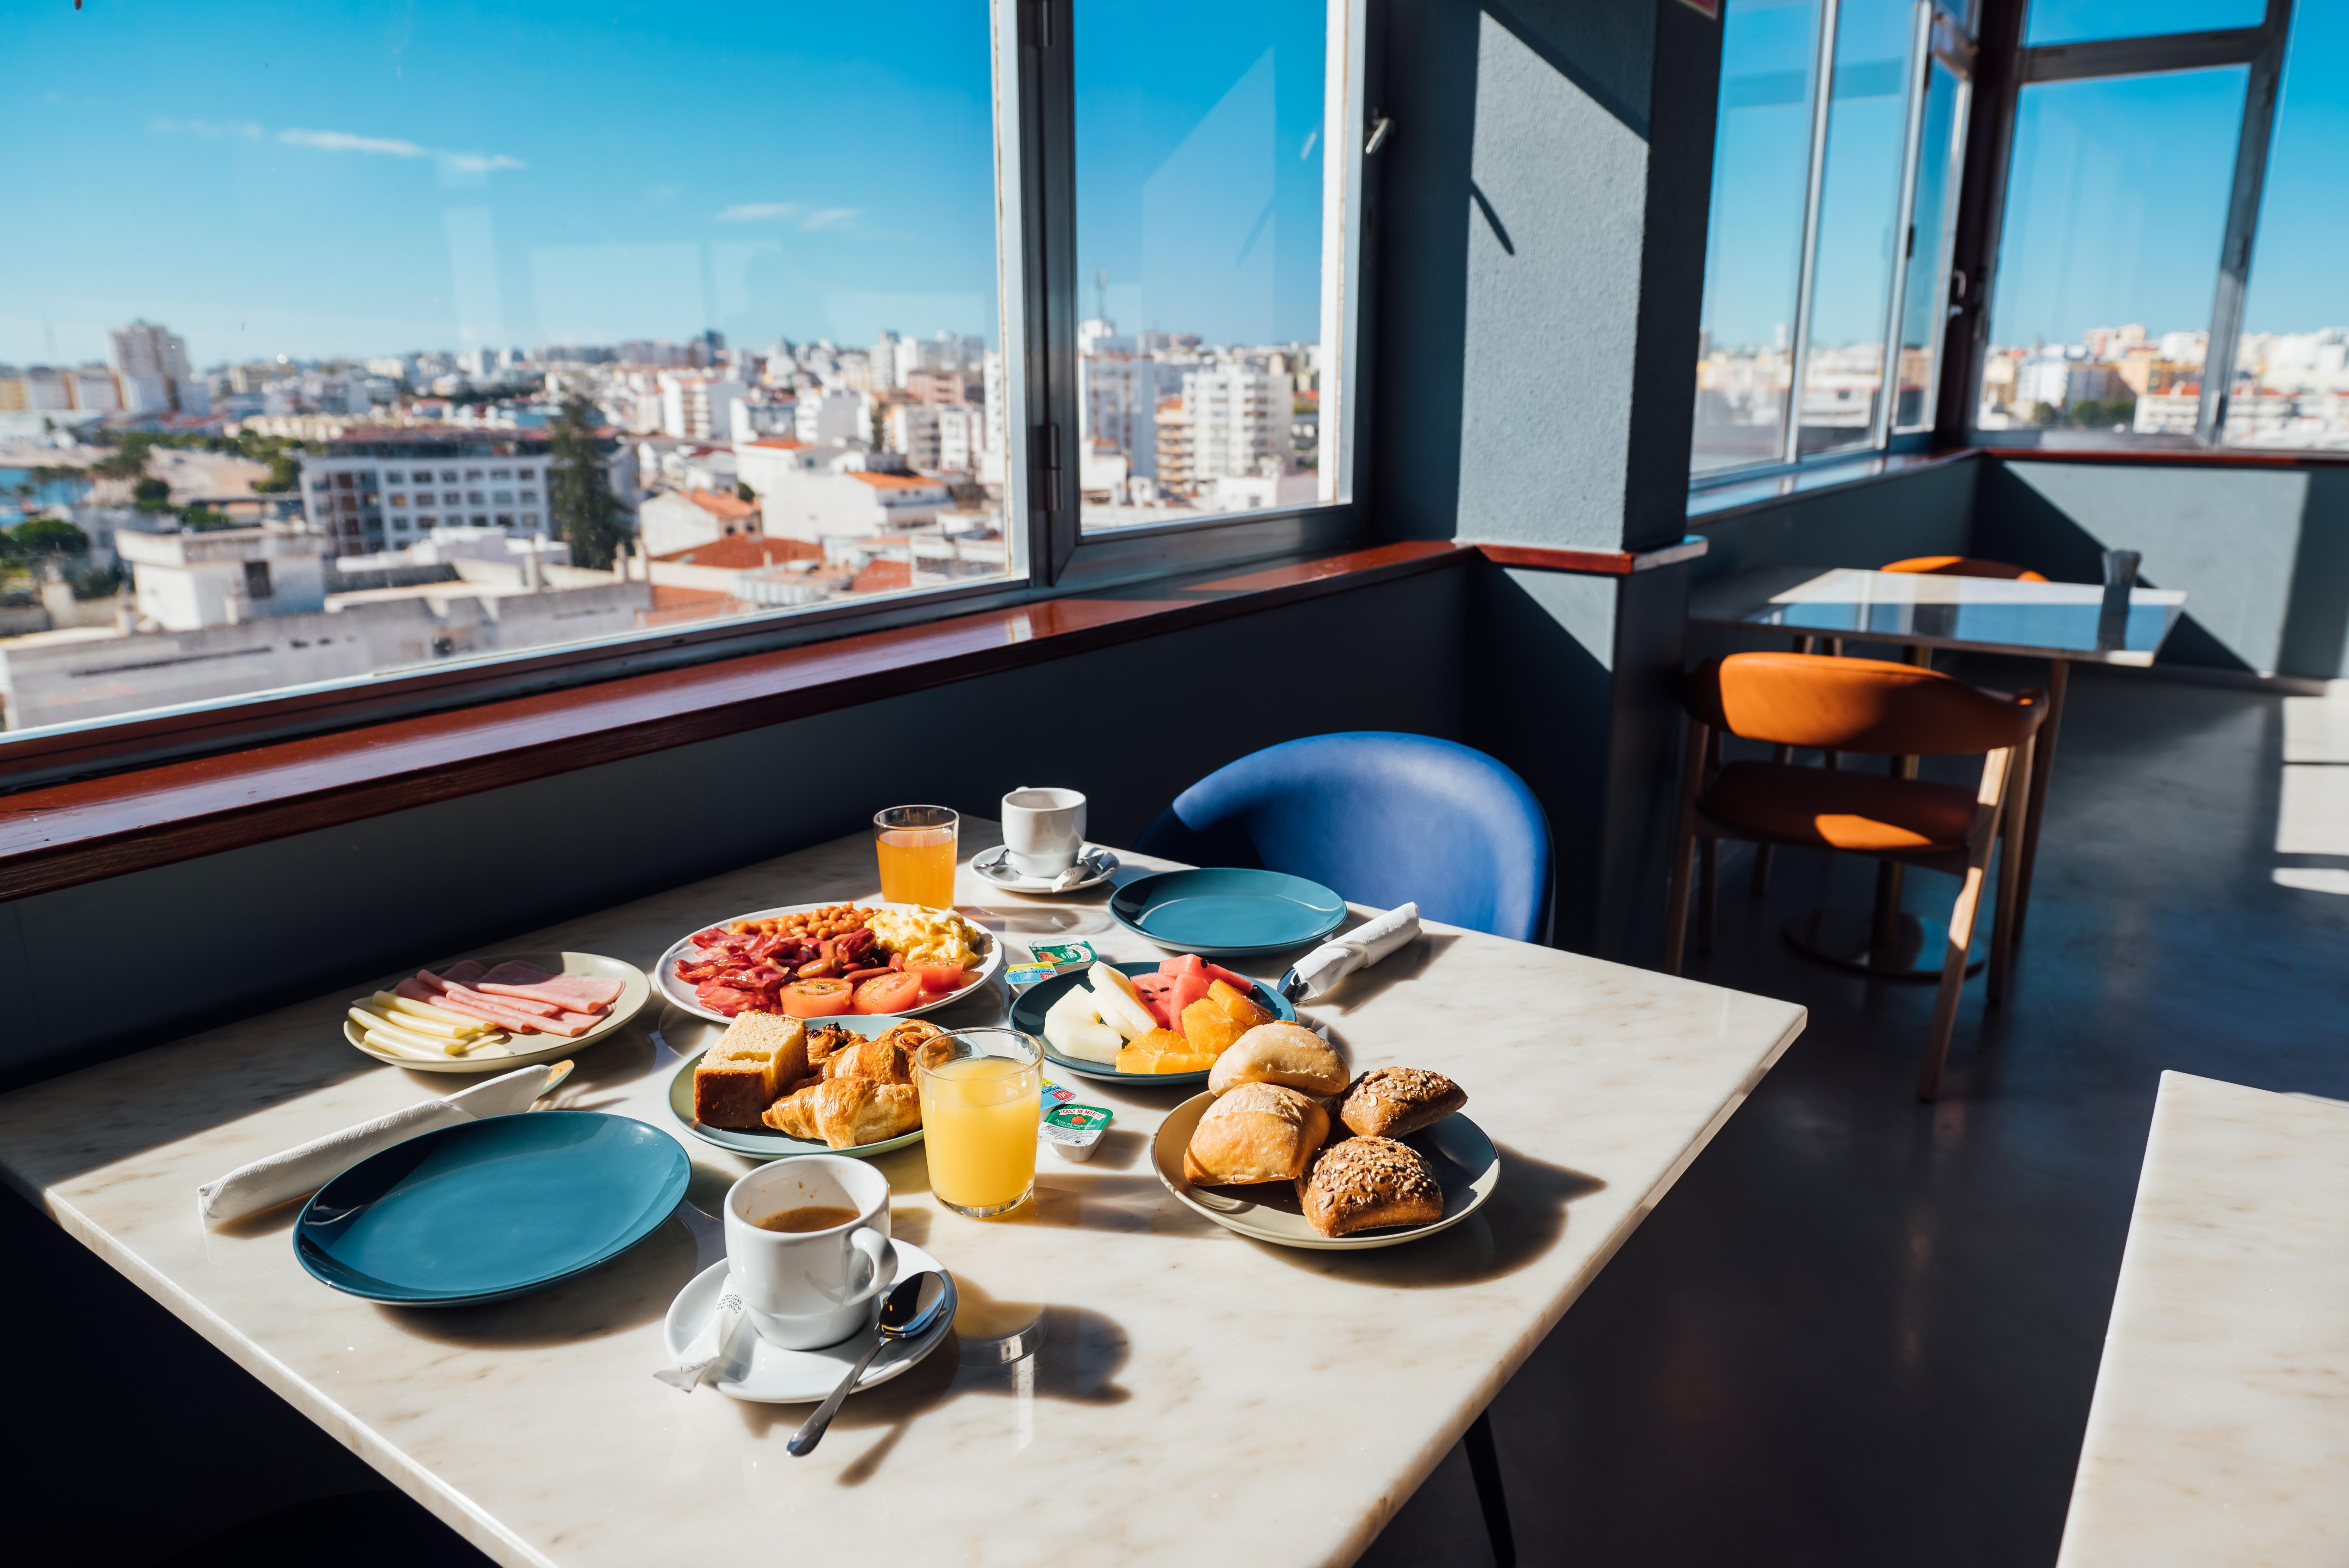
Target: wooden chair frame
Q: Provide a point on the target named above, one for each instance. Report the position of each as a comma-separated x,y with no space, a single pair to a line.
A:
2001,768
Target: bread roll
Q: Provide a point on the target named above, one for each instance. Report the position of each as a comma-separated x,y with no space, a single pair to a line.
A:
1289,1055
1258,1132
1368,1184
1388,1102
757,1061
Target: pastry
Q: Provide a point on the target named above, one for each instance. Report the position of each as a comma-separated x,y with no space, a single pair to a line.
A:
1387,1102
1287,1054
1367,1184
848,1111
758,1060
880,1058
1257,1133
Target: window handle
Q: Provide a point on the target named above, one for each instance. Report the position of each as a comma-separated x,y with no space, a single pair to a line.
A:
1379,125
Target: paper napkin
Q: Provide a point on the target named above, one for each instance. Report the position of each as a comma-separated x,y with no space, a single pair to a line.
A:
712,1352
302,1170
1359,948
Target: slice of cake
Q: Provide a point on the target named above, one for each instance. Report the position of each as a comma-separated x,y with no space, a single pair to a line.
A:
761,1056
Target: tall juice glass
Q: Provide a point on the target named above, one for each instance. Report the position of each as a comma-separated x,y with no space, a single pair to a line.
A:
981,1092
915,847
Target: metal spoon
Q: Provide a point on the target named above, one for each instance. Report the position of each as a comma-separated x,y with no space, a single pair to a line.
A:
902,1317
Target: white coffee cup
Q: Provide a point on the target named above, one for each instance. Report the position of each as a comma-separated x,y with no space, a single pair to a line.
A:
1042,831
803,1289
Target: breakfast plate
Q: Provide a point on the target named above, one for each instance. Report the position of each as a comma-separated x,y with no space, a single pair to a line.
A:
764,1145
682,994
519,1050
994,866
779,1377
490,1209
1465,1162
1028,1016
1227,912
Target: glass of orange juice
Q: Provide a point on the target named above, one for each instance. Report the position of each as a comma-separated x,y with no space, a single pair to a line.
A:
982,1091
916,845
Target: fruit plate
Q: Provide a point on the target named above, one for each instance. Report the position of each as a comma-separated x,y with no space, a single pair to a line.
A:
763,1144
523,1050
680,993
1227,912
1466,1166
1028,1016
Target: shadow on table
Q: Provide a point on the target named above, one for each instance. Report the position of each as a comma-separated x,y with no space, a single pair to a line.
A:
1017,1351
1523,1220
1364,986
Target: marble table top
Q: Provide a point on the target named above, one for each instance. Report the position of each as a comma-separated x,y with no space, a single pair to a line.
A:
1992,615
2219,1431
1128,1383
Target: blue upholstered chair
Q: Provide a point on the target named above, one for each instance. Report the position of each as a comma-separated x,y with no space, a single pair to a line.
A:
1382,818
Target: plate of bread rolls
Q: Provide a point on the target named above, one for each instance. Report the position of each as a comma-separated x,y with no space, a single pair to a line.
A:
1286,1147
772,1087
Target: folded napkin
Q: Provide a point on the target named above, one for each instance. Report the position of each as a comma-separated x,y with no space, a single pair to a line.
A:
1358,949
302,1170
712,1352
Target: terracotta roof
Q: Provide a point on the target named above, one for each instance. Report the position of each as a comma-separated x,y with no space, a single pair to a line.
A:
880,576
745,553
782,443
708,602
894,482
731,508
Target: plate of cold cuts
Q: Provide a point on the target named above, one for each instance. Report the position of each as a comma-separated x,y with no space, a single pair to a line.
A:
827,960
496,1012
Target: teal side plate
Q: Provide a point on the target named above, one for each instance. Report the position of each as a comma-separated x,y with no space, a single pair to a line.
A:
766,1145
1027,1014
490,1209
1228,912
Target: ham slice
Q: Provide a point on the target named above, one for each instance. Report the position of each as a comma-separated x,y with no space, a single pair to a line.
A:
464,972
580,993
514,972
511,1004
472,1003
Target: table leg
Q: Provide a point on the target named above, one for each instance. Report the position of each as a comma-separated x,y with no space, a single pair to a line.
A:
1485,1467
2043,761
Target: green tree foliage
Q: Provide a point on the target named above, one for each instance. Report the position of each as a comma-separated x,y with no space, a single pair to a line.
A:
744,492
151,495
579,492
2093,414
204,519
50,536
128,460
284,473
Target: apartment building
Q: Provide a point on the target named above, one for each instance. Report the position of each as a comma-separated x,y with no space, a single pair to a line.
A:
1239,417
381,488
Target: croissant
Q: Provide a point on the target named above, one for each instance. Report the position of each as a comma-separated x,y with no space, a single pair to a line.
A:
880,1058
846,1112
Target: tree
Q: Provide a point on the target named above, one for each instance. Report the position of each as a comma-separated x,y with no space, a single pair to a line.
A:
579,492
127,461
284,473
744,492
50,536
151,495
204,519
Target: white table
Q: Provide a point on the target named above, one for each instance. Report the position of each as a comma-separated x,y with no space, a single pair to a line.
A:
2219,1433
1178,1395
2060,623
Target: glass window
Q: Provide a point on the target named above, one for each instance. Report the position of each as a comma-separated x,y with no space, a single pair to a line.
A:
2292,366
1754,262
1859,208
2084,21
2116,206
1200,248
1924,302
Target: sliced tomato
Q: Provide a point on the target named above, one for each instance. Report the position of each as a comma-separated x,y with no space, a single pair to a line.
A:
945,976
817,999
1240,982
891,993
1189,963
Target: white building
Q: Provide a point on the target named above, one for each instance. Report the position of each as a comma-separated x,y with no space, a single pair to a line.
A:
834,416
699,408
1239,422
1117,402
2062,382
913,431
378,489
155,360
184,581
963,440
671,521
837,492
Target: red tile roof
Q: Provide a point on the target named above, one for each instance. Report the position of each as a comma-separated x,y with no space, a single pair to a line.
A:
717,503
781,443
745,553
880,576
892,481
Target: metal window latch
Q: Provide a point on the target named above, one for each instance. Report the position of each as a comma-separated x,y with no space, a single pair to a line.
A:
1379,125
1043,24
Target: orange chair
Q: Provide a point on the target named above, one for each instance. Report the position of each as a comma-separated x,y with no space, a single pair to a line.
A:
1961,566
1870,707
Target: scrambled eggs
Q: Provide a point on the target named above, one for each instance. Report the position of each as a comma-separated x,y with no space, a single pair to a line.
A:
927,935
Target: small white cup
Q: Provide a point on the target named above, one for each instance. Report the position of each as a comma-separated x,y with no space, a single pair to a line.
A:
810,1288
1042,831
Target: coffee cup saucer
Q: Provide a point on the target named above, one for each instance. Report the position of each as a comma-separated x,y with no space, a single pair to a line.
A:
781,1377
995,866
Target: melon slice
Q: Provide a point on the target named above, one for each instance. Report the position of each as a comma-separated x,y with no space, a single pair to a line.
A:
1120,1003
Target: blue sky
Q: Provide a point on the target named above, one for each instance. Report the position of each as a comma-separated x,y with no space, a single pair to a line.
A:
369,176
2118,190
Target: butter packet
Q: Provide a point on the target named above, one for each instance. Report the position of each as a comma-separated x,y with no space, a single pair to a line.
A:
1064,954
1028,974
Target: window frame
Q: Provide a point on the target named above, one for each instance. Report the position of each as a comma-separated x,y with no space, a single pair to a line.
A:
1938,33
1049,556
2261,49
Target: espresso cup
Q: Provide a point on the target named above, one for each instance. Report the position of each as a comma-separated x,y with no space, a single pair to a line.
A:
1042,831
803,1289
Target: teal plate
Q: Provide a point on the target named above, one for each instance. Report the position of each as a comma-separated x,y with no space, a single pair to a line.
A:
1027,1014
774,1145
490,1209
1228,912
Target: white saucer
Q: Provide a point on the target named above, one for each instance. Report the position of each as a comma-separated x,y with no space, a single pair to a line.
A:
779,1377
993,868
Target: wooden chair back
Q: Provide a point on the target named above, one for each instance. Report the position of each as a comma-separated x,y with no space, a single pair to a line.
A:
1868,705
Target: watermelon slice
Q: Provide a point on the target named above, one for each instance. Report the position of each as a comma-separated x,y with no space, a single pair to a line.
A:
1187,989
1156,991
1189,963
1240,982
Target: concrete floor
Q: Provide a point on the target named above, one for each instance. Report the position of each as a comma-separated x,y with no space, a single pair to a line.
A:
1862,1330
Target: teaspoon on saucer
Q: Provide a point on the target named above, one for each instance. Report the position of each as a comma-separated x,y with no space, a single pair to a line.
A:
902,1317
